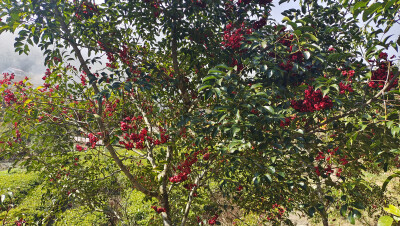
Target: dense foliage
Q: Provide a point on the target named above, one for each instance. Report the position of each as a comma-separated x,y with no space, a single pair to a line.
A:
206,105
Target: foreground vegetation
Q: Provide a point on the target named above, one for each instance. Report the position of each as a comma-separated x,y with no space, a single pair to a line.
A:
29,205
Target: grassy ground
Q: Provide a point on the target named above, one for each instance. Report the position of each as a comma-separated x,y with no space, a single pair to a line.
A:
27,198
26,203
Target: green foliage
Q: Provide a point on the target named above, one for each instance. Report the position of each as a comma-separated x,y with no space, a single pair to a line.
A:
204,107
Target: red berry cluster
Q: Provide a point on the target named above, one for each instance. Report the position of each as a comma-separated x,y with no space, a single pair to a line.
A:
9,97
7,79
277,212
259,23
92,140
296,57
286,39
158,209
86,9
237,64
234,36
288,66
313,101
80,148
136,140
110,56
328,169
189,186
110,107
343,88
20,222
382,75
287,121
184,168
213,220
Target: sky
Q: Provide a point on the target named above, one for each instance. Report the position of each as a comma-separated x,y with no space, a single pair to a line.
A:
33,63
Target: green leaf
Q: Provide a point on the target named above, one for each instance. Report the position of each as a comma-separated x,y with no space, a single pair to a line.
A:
212,77
270,109
310,36
356,214
350,218
385,221
311,211
397,174
393,210
204,87
286,19
374,7
358,205
271,169
358,5
235,130
389,4
343,210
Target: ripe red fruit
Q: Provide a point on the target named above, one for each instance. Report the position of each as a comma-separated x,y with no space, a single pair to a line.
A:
206,156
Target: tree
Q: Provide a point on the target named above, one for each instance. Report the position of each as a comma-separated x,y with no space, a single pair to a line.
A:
207,104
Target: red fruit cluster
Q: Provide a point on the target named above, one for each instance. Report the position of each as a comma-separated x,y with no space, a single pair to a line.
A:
237,64
86,9
78,147
339,172
313,101
278,212
92,140
189,186
213,220
382,75
110,56
343,88
9,97
343,160
286,40
20,222
7,79
110,107
259,23
137,140
206,156
286,122
233,37
184,169
349,73
320,156
287,67
297,57
158,209
383,55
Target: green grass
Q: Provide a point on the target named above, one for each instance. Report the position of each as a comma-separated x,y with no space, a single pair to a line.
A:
28,191
27,199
